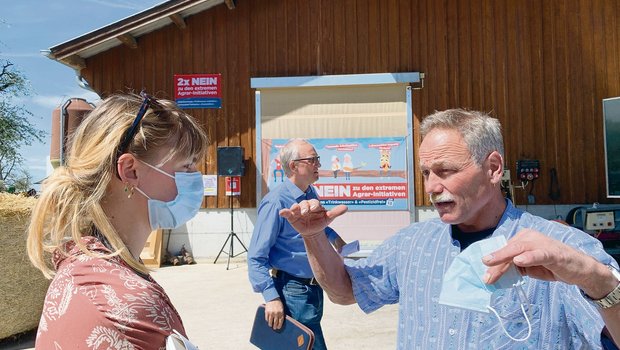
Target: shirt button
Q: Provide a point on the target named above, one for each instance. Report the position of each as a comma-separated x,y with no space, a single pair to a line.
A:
452,331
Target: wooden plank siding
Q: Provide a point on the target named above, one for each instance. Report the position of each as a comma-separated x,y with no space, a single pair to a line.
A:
541,67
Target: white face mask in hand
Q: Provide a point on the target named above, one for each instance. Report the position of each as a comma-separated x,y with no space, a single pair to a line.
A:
190,191
463,286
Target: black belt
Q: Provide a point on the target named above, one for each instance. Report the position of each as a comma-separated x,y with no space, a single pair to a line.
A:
308,281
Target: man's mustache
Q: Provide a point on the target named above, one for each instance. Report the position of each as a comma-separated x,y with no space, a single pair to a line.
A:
441,197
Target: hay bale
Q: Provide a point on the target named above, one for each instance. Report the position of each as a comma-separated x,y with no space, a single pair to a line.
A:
22,287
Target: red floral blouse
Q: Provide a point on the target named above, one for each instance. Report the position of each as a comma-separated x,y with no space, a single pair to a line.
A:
95,303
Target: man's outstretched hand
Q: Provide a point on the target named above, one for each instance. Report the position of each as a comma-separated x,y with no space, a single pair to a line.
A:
309,217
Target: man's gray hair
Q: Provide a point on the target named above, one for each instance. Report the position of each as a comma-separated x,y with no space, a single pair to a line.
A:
481,132
289,152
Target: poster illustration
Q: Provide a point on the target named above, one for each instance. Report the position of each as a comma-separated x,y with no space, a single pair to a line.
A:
362,173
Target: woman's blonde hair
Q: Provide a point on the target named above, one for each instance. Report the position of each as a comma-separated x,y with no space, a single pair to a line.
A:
70,204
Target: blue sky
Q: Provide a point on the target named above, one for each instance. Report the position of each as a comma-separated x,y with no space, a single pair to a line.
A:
29,26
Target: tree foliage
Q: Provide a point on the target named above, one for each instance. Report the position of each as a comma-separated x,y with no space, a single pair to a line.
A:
16,128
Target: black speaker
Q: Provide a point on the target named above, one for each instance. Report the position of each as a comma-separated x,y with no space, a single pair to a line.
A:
230,161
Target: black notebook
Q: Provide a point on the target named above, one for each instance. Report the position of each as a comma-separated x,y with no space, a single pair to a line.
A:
292,335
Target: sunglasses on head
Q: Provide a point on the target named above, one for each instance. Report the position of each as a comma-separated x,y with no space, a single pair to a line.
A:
147,101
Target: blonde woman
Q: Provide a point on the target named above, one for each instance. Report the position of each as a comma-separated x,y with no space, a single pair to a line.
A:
131,169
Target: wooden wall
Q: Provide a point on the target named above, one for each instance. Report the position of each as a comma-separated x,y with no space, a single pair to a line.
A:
541,67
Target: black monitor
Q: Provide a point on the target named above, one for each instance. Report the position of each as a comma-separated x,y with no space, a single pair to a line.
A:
611,125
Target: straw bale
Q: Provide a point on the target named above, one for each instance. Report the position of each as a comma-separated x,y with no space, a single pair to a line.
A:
22,287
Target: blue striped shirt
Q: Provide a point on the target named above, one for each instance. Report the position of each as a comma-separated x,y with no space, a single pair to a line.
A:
275,243
409,267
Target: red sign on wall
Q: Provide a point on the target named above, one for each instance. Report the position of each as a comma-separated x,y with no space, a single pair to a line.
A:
233,185
198,90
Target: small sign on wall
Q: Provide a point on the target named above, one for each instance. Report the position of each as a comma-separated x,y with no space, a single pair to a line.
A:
198,90
233,185
210,183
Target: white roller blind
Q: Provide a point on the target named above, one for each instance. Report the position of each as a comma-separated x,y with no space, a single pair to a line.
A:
334,111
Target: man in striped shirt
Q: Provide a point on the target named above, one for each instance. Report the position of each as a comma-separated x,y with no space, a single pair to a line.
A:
570,282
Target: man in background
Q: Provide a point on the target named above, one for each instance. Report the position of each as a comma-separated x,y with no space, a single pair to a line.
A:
290,288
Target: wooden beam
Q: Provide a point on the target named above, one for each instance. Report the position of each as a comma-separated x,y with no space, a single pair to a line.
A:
178,20
231,4
75,61
128,40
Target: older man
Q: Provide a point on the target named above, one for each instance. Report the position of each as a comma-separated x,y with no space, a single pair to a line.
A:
290,288
569,291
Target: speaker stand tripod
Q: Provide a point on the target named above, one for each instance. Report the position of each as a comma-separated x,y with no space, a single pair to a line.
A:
231,237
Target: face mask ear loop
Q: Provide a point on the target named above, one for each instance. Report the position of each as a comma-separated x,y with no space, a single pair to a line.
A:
155,168
529,325
527,315
523,298
142,193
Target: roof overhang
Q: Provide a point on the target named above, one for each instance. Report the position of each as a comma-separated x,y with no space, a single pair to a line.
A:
74,52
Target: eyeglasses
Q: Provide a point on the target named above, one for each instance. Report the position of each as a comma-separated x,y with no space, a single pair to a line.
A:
312,160
131,132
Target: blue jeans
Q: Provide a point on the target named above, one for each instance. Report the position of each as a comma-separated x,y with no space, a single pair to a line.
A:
304,303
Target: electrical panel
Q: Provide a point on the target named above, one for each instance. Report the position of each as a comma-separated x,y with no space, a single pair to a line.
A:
528,169
506,175
603,223
600,220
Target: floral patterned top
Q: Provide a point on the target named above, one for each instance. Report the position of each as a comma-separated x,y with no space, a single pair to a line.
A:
95,303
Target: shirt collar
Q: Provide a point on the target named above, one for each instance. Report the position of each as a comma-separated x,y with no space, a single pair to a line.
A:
295,191
509,220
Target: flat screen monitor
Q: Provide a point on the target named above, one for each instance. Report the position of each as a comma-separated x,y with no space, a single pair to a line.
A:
611,124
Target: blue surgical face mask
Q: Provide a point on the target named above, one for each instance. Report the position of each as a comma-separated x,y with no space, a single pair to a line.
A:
168,215
463,286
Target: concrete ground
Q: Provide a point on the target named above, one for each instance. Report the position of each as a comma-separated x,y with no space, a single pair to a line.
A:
218,307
